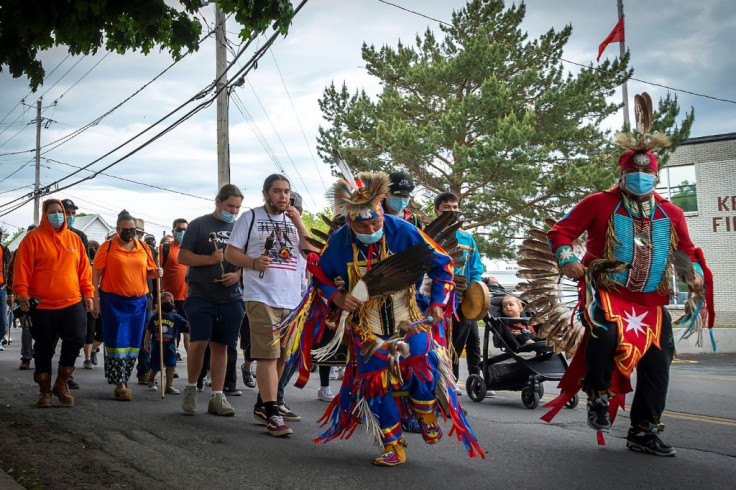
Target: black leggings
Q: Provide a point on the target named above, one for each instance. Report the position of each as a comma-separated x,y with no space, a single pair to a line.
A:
68,324
652,371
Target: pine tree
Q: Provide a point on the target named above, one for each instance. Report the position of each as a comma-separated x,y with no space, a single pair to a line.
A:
488,114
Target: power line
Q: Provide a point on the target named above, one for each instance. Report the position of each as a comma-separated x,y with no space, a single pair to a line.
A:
29,93
82,77
278,137
242,72
301,179
132,181
66,138
132,211
578,64
301,128
257,132
16,170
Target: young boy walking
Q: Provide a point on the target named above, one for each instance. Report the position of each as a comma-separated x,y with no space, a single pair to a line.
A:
172,324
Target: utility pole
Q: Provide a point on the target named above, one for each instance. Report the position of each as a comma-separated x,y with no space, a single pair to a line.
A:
223,139
622,46
37,184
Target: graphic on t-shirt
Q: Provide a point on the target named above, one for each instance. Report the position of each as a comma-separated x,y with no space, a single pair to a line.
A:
222,237
285,242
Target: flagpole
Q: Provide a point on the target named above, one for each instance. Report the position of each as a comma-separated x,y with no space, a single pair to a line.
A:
624,89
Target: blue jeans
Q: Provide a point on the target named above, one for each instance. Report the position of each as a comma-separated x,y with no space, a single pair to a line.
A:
3,313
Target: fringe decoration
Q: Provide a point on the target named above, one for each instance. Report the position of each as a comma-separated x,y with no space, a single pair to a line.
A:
449,406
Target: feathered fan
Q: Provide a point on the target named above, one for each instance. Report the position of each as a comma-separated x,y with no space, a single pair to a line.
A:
550,297
442,230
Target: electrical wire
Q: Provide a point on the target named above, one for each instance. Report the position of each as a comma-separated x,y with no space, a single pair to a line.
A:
719,99
31,92
66,138
298,120
16,170
152,186
242,72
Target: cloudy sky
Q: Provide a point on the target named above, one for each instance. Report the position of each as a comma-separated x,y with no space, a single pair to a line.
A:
676,43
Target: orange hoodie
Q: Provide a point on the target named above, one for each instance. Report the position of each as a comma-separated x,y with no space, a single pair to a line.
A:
52,265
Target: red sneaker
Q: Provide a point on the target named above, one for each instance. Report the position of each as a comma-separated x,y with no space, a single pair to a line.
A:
277,428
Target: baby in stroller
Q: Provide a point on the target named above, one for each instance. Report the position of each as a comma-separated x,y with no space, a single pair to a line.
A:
512,308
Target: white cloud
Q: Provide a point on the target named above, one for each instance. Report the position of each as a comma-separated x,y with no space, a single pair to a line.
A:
677,43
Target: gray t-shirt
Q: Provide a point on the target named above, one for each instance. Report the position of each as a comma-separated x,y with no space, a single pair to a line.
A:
201,279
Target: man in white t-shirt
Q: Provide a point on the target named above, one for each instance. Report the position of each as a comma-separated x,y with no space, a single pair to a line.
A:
266,243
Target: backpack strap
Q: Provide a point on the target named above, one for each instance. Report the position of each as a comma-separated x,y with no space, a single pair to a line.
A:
165,249
250,229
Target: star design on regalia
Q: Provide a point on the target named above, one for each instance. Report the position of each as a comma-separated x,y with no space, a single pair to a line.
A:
566,254
635,322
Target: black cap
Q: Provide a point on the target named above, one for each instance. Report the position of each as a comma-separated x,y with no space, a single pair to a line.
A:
400,184
69,204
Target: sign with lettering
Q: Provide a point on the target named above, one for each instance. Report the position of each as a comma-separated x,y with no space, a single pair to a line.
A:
725,223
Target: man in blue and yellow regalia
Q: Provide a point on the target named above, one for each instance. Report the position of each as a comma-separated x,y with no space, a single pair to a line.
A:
376,325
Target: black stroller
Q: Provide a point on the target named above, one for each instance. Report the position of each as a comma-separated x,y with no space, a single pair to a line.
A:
510,370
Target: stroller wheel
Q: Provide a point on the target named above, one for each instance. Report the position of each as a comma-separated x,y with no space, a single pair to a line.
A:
530,397
476,387
541,389
573,402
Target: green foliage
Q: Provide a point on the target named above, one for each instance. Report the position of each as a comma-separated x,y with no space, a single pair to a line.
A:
685,196
84,26
312,220
9,238
487,113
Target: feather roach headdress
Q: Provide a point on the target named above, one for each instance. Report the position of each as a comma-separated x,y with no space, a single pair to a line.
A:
640,151
359,198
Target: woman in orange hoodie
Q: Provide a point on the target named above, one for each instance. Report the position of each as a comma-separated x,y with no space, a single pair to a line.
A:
122,266
51,266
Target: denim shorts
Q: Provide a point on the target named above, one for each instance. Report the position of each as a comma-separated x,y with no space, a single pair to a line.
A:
217,322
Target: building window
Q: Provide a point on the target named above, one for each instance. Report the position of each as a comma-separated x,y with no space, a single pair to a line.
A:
678,185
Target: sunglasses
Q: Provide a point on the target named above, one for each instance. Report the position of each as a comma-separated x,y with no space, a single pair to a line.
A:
130,230
180,229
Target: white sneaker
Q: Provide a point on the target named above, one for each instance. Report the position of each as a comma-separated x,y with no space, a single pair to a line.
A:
341,373
208,380
325,394
458,391
189,403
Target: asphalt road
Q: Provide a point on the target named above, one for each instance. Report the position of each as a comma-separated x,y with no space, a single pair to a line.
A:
149,443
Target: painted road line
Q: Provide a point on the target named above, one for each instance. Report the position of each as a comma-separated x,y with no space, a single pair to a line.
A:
708,419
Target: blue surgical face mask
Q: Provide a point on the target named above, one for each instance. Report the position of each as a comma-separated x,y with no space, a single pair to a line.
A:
227,217
70,221
639,183
397,203
56,219
371,238
179,236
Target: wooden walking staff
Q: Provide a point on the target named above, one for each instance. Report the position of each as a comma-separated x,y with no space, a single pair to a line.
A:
160,328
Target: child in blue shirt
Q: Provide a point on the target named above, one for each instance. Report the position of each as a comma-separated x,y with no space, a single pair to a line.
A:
172,325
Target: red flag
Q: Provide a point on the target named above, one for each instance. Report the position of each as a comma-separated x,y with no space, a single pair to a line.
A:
616,36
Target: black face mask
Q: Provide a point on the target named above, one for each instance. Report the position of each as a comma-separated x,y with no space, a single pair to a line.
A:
455,215
167,307
126,236
93,251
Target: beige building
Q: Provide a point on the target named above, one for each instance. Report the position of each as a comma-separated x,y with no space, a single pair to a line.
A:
700,177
